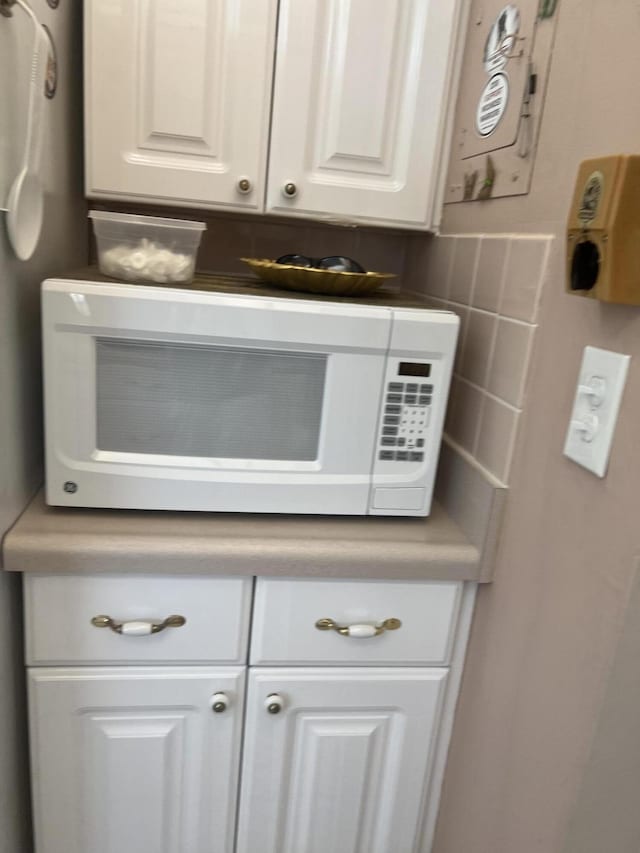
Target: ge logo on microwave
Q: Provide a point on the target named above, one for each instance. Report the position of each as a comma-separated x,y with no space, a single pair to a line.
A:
70,487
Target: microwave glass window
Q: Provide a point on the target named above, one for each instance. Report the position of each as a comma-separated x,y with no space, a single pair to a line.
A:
412,368
186,400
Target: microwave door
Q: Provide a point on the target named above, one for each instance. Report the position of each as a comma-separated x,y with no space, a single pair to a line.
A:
245,407
212,403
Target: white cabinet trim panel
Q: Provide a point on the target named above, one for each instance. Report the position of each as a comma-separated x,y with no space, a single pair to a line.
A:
432,799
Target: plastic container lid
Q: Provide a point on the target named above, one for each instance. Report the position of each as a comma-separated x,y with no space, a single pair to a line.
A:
155,221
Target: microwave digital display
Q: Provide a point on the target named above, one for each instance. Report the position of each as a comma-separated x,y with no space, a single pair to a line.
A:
412,368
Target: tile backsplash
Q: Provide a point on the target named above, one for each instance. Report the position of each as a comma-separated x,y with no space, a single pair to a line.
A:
494,284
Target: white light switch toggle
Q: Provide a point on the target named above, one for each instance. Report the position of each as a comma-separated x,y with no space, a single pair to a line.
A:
588,426
595,390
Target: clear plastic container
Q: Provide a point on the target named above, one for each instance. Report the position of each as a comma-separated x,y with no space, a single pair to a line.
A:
146,248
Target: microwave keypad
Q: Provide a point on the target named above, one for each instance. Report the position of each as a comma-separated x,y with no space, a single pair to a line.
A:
405,422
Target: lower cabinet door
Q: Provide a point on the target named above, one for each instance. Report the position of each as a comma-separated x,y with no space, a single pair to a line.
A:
338,760
135,760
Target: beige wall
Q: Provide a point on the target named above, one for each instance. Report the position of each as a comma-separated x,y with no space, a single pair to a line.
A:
546,705
63,244
605,817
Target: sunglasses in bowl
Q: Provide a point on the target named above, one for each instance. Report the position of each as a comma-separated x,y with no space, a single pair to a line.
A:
335,263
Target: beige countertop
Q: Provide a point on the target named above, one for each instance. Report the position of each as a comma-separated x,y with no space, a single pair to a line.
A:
55,539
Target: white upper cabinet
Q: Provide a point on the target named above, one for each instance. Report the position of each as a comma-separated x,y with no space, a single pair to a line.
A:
177,99
359,108
179,105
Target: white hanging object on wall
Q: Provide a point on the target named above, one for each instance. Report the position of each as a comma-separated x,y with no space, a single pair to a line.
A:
25,203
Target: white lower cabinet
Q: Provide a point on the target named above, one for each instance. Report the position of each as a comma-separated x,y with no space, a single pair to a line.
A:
344,762
135,761
340,758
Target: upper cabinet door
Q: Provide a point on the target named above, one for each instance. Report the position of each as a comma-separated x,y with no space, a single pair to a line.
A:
359,108
337,759
177,96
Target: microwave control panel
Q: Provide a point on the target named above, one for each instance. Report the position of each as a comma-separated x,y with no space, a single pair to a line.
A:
406,420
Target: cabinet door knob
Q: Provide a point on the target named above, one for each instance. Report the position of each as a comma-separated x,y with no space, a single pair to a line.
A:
139,628
244,185
362,631
219,702
274,703
290,189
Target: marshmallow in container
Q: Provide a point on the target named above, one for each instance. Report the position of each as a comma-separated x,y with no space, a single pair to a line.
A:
147,260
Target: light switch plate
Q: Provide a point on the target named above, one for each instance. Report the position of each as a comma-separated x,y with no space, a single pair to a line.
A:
595,409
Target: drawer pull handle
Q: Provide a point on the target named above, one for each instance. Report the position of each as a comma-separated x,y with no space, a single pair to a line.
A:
138,628
359,631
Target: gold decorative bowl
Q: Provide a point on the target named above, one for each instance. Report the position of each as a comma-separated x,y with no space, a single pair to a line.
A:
312,280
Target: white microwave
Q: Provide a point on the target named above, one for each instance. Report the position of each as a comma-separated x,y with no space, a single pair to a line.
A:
181,399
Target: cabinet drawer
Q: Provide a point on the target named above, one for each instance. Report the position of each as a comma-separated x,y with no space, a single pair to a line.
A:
59,610
286,612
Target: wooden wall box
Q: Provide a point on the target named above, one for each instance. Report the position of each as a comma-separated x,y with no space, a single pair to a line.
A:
603,231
